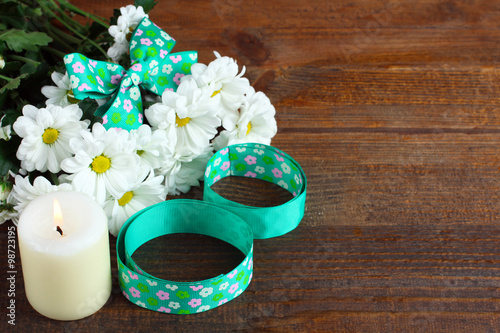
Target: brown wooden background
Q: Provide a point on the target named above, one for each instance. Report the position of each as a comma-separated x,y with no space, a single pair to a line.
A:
393,110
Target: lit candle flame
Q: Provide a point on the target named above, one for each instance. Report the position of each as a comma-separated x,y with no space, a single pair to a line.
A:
58,219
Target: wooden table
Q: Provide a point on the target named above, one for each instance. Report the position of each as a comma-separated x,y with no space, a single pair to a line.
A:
393,110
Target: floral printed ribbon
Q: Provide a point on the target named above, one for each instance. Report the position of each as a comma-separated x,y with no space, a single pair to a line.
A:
153,68
182,216
233,223
262,162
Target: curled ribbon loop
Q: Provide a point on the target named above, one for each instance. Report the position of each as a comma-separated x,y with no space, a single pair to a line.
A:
153,68
218,217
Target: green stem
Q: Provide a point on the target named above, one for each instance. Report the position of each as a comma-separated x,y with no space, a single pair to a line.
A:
54,51
48,10
64,35
64,17
77,10
58,39
24,59
54,178
6,78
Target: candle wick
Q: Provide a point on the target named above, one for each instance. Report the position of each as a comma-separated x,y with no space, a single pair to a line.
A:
59,230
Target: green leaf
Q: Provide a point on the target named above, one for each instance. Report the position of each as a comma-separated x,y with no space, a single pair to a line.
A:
89,107
10,117
8,160
19,40
11,66
146,4
13,84
11,14
3,26
114,19
28,68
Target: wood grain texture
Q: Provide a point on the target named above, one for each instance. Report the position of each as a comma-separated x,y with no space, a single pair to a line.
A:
393,110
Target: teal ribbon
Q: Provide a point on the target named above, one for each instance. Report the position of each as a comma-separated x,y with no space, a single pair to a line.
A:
218,217
261,162
153,68
182,216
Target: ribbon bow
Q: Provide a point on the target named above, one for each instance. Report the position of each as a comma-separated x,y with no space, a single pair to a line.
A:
153,68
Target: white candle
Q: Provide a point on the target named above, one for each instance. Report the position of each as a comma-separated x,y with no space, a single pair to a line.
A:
66,276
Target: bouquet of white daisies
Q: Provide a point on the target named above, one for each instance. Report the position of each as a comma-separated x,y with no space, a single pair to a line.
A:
54,142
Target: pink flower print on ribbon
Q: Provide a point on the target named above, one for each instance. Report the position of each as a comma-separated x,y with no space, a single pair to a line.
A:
195,302
126,295
216,178
277,173
250,264
225,165
105,119
83,87
223,301
137,269
133,276
196,288
140,118
232,274
134,292
177,78
163,53
127,105
146,41
175,59
99,80
92,63
78,67
138,32
136,67
250,174
123,89
115,79
279,158
164,309
224,151
251,159
233,288
162,295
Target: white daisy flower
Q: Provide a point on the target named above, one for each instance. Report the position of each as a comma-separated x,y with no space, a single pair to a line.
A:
2,62
222,77
130,17
185,171
62,94
133,14
46,135
254,123
190,113
23,192
153,147
146,191
104,163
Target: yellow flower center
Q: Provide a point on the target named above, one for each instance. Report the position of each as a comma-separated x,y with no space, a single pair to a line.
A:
128,36
125,199
249,127
71,98
101,164
50,135
181,122
216,92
